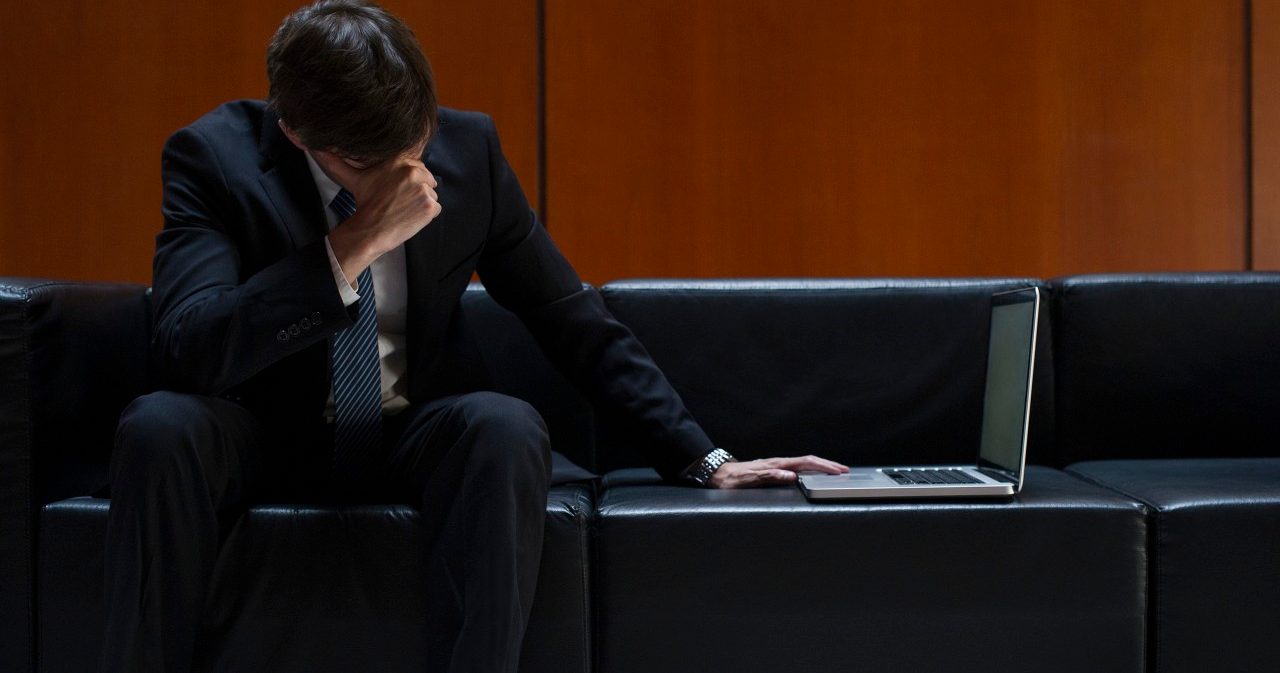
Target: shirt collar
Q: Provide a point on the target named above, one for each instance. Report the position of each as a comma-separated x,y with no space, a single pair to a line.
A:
328,188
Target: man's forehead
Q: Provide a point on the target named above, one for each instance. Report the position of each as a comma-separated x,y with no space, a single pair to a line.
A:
360,164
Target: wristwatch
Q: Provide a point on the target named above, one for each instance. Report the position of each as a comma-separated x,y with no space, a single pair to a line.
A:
701,471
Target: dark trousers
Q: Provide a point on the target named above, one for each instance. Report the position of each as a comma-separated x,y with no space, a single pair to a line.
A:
185,466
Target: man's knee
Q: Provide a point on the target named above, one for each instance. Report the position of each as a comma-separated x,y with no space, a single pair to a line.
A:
154,436
506,430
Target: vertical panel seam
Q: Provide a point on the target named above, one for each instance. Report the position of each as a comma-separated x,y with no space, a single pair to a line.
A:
541,28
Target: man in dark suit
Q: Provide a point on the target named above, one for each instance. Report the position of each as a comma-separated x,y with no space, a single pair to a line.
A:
314,252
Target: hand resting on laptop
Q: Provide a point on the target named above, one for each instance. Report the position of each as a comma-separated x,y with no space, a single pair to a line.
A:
771,471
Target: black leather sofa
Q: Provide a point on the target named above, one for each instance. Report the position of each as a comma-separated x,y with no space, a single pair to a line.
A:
1147,537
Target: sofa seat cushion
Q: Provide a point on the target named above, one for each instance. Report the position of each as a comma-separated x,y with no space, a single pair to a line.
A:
312,588
1216,557
762,580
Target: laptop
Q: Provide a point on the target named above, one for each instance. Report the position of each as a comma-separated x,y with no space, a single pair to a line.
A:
1006,415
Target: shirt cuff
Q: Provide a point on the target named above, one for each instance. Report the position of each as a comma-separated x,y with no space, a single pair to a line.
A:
345,289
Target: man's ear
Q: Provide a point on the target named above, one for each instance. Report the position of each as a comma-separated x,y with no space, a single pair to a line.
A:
293,137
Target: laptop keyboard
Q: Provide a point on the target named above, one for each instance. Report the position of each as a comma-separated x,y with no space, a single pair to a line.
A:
930,476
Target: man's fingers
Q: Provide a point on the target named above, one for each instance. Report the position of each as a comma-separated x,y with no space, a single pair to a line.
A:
430,193
801,462
778,476
791,463
811,463
829,466
765,477
417,164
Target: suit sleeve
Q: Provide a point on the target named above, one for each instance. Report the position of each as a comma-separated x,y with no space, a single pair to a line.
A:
525,272
214,327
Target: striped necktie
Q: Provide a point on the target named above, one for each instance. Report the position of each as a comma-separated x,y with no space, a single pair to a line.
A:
357,375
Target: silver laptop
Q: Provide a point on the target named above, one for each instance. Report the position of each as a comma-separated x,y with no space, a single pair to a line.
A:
1006,415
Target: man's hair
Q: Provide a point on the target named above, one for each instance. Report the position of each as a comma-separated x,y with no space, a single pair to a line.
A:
349,77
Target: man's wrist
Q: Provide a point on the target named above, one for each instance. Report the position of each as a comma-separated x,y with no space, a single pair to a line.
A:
352,249
346,290
701,471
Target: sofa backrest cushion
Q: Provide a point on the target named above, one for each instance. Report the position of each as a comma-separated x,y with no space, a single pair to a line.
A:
1168,365
864,371
82,349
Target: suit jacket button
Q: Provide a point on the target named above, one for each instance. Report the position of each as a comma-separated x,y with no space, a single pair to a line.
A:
282,336
315,318
293,329
304,324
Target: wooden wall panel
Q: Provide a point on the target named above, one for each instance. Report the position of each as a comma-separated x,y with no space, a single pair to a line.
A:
485,56
92,89
719,137
868,137
1265,24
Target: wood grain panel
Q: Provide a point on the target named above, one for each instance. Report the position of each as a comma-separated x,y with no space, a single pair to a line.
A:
867,137
92,89
1265,24
485,56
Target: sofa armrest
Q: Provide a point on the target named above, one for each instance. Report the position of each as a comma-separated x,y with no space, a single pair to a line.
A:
72,354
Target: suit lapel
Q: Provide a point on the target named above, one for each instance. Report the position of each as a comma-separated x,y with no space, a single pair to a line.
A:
288,183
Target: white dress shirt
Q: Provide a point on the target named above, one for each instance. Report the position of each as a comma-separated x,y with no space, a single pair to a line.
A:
391,294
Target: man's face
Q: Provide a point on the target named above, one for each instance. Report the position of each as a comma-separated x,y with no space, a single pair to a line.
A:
412,154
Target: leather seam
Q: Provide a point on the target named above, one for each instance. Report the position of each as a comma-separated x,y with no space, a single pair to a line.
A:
1147,506
1151,516
584,515
1256,278
27,474
594,577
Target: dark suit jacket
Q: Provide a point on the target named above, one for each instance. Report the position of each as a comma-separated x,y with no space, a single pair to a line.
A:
246,300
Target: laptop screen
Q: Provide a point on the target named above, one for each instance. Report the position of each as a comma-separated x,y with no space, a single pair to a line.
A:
1009,366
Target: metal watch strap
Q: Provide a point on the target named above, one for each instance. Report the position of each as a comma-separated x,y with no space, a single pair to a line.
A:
701,473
